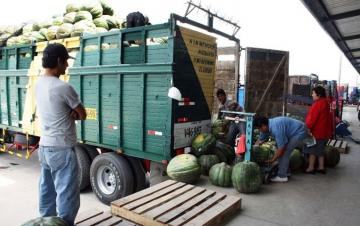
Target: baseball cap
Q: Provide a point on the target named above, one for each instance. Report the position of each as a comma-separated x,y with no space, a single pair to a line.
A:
56,50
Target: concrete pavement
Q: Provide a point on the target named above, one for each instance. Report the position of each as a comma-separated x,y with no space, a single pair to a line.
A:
331,199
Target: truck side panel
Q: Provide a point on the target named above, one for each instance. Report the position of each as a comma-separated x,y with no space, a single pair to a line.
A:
126,111
12,95
195,57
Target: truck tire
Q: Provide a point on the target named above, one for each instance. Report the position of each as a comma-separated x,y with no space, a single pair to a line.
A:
84,167
138,170
20,138
91,151
111,177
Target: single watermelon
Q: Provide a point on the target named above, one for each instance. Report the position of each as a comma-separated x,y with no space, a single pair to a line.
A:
332,156
202,144
206,162
46,221
220,128
260,154
227,150
184,168
219,153
246,177
220,175
297,160
256,135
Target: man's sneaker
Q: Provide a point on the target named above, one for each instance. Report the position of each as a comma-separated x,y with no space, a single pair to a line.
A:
279,179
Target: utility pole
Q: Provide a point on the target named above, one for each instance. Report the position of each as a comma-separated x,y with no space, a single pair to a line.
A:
340,69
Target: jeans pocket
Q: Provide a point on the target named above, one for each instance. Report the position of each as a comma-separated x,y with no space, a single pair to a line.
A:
58,159
41,155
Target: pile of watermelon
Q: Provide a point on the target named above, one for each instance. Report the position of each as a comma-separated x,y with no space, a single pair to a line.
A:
92,17
213,158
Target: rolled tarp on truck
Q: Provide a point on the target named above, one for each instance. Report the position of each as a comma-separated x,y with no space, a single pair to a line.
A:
123,79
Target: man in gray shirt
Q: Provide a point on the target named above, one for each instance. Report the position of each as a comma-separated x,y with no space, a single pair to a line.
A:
228,105
58,106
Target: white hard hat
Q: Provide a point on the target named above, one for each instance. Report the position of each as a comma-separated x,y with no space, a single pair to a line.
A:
174,93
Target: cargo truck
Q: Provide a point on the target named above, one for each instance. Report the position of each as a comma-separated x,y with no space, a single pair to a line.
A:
124,88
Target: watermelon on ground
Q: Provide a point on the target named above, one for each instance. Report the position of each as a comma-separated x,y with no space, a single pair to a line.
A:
297,160
220,175
332,156
220,128
246,177
184,168
206,162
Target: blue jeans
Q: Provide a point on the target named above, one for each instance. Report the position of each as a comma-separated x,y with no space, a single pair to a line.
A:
285,158
59,185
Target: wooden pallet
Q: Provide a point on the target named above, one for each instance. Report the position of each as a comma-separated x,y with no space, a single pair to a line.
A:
340,145
176,203
100,218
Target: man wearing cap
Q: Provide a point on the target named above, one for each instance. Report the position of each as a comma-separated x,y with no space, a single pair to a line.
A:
58,106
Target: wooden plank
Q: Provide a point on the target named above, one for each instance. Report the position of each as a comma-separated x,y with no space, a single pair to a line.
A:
344,145
169,216
143,193
153,196
338,143
112,221
139,219
347,149
163,199
126,223
197,210
96,220
328,142
156,212
332,142
216,214
87,215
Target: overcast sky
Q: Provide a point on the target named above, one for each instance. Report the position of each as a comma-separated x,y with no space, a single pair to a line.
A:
276,24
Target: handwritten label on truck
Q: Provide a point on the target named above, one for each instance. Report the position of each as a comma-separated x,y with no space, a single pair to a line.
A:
91,114
184,133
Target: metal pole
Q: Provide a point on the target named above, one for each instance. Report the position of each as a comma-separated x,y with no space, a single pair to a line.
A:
340,69
237,68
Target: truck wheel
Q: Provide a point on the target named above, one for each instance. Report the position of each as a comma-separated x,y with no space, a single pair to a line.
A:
111,177
139,174
84,167
91,151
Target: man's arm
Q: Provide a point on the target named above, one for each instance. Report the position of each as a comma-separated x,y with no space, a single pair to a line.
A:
277,155
262,138
78,113
234,106
72,99
281,142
